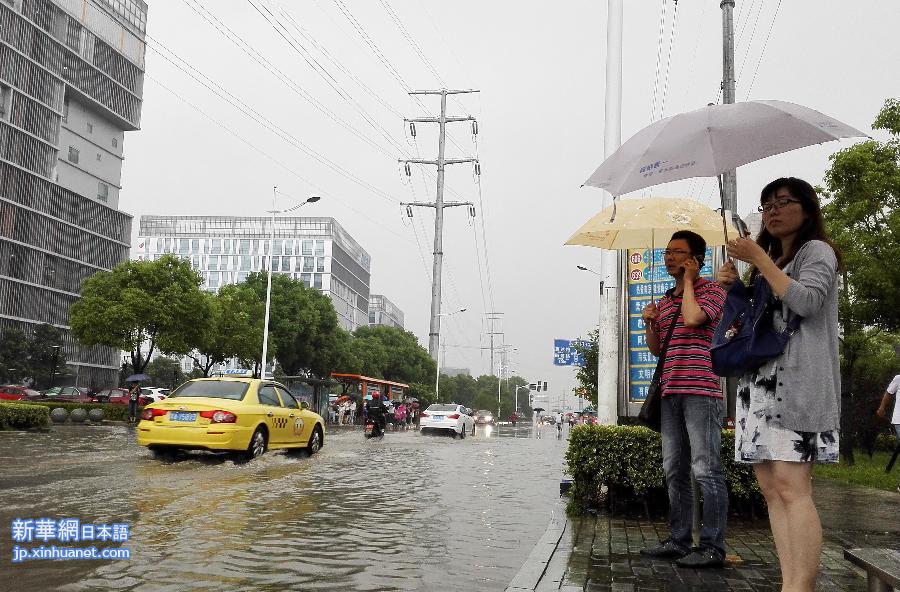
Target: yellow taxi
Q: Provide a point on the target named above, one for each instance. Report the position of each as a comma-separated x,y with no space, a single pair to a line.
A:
230,413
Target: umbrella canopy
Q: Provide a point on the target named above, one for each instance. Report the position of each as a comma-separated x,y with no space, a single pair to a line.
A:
538,409
137,378
714,139
649,223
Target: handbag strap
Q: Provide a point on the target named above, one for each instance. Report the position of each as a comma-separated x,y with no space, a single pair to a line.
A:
665,344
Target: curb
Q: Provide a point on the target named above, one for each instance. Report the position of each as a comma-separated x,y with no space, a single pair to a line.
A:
544,568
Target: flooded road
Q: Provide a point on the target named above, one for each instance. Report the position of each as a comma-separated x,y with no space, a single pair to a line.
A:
410,512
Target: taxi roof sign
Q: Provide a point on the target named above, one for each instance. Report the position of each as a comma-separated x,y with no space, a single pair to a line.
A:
238,372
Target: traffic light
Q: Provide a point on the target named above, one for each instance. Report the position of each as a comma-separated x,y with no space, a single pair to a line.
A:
531,386
530,400
538,389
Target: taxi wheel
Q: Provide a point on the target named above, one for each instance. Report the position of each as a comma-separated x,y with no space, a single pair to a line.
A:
257,445
315,442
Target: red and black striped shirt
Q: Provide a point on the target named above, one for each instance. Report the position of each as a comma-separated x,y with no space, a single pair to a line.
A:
687,369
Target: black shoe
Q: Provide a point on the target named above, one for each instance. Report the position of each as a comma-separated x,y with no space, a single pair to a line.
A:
701,558
667,549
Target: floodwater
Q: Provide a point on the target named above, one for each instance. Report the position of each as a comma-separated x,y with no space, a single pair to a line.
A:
409,512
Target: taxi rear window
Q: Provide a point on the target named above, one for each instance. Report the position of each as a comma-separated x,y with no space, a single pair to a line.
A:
217,389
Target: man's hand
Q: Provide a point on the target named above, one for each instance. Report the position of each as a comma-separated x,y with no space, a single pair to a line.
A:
882,412
691,269
650,313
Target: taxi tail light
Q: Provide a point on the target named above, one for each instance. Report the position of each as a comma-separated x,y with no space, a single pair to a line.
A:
149,414
219,416
454,416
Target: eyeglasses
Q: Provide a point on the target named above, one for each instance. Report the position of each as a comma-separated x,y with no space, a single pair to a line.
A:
776,205
668,252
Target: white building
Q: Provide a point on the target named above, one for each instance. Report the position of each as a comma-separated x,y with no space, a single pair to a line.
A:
384,312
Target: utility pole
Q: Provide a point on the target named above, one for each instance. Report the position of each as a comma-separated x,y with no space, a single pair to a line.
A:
438,205
729,178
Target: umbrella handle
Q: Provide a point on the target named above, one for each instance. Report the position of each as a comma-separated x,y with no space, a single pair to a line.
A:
725,255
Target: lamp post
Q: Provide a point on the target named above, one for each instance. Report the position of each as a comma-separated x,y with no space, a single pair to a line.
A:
437,377
274,212
53,367
523,386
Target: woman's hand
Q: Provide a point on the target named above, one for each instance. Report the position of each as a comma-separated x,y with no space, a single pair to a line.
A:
727,274
746,250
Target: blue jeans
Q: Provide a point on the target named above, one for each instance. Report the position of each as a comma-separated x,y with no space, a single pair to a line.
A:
691,442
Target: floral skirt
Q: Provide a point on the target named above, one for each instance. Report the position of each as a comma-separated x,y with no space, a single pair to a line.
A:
759,437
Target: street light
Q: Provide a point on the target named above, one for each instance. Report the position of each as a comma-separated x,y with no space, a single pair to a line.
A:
524,386
599,324
437,377
273,211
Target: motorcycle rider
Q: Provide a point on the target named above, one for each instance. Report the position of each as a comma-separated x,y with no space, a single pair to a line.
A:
376,411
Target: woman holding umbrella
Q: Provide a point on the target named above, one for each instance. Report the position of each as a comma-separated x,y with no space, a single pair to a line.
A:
788,410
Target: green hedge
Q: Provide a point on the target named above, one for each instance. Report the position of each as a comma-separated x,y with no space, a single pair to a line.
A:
111,412
14,416
627,460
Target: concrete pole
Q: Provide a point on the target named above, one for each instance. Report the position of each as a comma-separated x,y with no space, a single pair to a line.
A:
609,328
435,332
729,178
265,348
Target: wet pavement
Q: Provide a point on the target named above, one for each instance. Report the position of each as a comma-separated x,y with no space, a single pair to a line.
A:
410,512
602,553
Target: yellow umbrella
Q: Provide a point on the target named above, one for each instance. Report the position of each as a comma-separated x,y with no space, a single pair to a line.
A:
646,223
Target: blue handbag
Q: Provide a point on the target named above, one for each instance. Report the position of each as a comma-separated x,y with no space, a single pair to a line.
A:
745,337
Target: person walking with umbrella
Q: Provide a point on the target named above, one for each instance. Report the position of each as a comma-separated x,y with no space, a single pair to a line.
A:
134,393
788,410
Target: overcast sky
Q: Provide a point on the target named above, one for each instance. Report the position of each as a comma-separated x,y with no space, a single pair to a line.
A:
540,68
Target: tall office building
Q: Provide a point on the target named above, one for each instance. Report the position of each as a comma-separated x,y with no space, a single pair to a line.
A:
384,312
226,249
71,85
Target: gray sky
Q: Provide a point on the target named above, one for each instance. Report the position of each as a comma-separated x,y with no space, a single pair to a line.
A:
540,69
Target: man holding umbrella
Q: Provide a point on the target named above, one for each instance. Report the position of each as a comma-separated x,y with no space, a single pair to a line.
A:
692,403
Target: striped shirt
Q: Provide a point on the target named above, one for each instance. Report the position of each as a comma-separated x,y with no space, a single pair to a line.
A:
687,369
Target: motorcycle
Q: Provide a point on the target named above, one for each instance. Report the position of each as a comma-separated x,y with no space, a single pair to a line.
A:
373,429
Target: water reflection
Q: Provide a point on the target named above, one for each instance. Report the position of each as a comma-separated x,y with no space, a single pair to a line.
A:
405,513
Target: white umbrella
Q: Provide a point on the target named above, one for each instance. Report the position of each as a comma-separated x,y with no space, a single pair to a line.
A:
714,139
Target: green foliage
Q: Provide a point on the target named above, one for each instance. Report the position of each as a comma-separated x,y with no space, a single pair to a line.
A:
15,416
164,372
303,328
628,461
866,471
234,329
392,354
31,356
587,374
155,302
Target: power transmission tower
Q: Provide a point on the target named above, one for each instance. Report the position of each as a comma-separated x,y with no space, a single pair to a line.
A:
493,317
438,205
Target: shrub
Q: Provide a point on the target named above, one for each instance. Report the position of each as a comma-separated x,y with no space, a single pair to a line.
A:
627,460
14,416
111,412
886,442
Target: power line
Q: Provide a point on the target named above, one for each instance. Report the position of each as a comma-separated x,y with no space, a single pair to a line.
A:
763,52
672,33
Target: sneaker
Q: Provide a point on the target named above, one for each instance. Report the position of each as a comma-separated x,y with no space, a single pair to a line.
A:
667,549
701,558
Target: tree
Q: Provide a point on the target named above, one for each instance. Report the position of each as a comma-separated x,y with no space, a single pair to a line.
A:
234,328
403,360
15,365
587,374
303,328
157,304
165,372
863,218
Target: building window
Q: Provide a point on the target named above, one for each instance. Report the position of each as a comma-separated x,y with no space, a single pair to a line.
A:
245,264
308,247
215,246
320,248
73,155
320,264
306,278
90,128
102,191
115,142
308,264
317,281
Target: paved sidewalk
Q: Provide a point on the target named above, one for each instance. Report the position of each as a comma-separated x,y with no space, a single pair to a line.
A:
602,552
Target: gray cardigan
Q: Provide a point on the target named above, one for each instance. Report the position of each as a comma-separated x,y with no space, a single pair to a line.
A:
808,392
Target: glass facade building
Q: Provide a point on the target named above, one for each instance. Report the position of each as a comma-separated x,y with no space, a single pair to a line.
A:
71,85
226,249
384,312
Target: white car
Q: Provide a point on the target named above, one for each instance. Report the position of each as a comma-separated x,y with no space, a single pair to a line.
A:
157,394
447,417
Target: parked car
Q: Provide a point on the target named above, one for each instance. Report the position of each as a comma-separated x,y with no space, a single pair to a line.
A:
65,394
447,417
155,394
119,396
16,393
483,416
231,414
